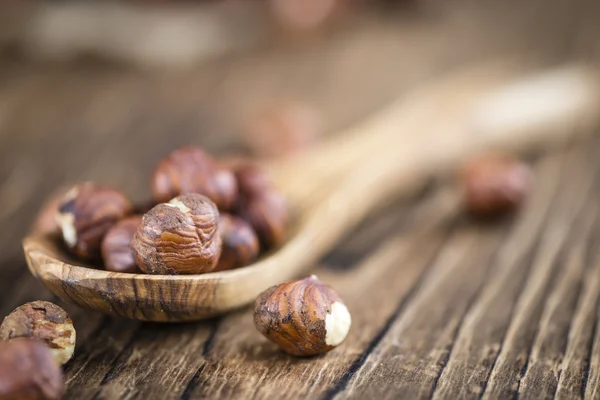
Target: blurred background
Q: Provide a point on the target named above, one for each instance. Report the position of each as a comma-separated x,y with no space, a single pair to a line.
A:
101,90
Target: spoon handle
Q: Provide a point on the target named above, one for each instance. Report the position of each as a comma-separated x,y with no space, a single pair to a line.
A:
444,129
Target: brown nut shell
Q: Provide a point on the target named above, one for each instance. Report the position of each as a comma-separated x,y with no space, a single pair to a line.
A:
29,372
240,243
44,321
191,170
116,246
179,237
86,213
304,317
261,206
495,185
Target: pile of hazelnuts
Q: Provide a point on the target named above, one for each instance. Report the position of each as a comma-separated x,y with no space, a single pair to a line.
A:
205,217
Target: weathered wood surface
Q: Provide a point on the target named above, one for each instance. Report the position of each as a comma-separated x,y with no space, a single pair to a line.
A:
442,307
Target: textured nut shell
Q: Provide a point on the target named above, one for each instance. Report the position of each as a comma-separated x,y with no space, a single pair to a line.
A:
28,371
116,245
88,211
495,184
191,170
240,243
44,321
293,315
171,241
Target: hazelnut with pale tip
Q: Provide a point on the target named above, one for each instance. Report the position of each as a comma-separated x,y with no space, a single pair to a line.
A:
304,317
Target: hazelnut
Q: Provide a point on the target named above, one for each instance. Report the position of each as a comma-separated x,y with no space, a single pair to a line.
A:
191,170
116,245
45,222
261,206
282,130
304,317
86,213
302,15
240,243
495,184
44,321
179,237
29,372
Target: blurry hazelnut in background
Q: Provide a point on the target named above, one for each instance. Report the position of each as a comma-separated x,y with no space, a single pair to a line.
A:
179,237
304,317
116,246
240,243
44,321
191,170
302,15
86,213
29,372
282,130
261,205
495,184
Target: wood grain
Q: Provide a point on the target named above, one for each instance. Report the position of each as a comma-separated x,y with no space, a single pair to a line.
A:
518,312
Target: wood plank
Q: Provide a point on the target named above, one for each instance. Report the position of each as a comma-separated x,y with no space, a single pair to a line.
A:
418,361
513,358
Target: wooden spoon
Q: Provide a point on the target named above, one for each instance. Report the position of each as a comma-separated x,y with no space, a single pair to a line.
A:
429,131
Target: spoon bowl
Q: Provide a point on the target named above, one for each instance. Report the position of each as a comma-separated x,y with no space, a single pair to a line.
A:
427,132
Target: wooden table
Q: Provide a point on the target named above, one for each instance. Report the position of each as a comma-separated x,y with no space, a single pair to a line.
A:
442,307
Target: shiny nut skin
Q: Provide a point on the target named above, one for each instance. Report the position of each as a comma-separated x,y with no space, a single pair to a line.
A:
116,245
304,317
86,213
191,170
261,206
240,243
44,321
179,237
494,185
29,372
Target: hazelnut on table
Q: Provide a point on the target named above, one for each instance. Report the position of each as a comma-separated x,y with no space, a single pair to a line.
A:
495,184
116,245
191,170
29,372
44,321
86,213
304,317
179,237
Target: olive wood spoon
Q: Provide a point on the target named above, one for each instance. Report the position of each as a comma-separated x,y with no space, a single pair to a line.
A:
428,132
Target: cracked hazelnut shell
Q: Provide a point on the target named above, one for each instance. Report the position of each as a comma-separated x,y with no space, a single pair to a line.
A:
29,372
86,213
304,317
116,245
240,243
44,321
191,170
179,237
